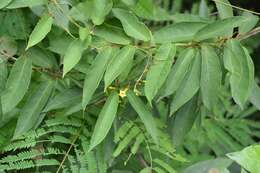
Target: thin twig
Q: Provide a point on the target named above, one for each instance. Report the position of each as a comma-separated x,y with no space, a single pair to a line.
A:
249,34
236,7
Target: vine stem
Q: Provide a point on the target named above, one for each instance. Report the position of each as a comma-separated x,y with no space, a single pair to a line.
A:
236,7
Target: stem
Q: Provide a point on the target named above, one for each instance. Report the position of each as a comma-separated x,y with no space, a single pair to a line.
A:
236,7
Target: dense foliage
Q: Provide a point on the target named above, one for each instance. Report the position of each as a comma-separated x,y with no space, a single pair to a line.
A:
127,86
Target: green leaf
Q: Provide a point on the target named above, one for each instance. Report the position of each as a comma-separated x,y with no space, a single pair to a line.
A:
211,76
145,115
248,158
26,3
17,83
224,9
183,121
94,76
249,24
132,26
105,120
3,76
112,34
255,96
189,86
219,164
33,107
178,72
118,64
219,28
73,55
203,9
178,32
159,70
238,62
3,79
41,57
100,9
4,3
40,31
64,99
8,47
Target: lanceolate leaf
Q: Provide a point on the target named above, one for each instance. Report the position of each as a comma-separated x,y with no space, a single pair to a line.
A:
42,28
183,121
211,76
100,9
255,96
33,107
219,164
112,34
95,75
64,99
3,78
17,83
132,26
26,3
178,32
3,75
145,115
178,72
219,28
238,62
249,24
105,120
159,70
4,3
72,55
248,158
224,10
118,64
189,86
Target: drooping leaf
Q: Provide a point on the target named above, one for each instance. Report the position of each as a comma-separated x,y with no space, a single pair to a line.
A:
255,96
100,9
25,3
42,58
178,72
224,9
132,26
159,70
203,9
105,120
17,83
40,31
211,76
94,76
248,158
8,47
219,164
112,34
59,14
118,64
238,62
3,79
183,121
189,86
178,32
145,115
249,24
72,55
3,75
33,107
4,3
219,28
64,99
